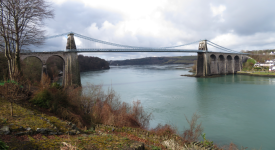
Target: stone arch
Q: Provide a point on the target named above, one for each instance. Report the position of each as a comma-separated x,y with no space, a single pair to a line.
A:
221,65
23,58
213,64
229,64
61,68
31,68
236,63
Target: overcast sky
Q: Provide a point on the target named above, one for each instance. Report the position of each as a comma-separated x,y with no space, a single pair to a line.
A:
235,24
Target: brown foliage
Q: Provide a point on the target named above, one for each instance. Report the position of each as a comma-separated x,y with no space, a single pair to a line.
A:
164,130
195,130
45,82
108,109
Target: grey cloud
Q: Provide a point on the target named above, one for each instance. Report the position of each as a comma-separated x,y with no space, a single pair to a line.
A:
75,16
250,17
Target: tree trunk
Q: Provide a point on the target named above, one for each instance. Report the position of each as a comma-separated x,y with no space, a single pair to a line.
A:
11,109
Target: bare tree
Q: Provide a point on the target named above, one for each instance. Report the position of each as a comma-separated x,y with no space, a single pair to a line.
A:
21,23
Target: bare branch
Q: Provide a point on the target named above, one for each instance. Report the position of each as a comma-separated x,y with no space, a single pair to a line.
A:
21,23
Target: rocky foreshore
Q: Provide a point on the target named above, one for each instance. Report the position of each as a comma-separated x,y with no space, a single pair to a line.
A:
19,130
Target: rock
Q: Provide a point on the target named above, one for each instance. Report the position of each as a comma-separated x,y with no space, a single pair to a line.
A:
72,132
137,146
20,133
53,133
21,129
171,144
28,129
42,130
84,135
74,126
5,130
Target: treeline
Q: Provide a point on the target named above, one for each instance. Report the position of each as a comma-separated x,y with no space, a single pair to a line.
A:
32,66
156,60
87,63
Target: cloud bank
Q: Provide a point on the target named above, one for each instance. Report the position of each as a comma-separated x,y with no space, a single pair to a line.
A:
238,25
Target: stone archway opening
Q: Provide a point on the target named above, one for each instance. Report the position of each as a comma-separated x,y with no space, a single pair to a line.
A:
213,57
229,64
55,68
237,64
31,69
221,65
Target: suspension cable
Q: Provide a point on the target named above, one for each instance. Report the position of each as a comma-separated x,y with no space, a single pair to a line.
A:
221,47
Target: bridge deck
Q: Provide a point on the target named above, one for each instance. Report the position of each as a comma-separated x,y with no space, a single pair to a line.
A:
104,50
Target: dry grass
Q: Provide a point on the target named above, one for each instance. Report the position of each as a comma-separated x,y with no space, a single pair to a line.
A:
163,130
106,108
195,130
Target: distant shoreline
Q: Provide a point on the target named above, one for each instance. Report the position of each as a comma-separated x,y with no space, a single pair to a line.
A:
254,74
238,73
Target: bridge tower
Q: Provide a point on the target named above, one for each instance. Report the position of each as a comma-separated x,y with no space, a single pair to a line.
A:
72,72
202,61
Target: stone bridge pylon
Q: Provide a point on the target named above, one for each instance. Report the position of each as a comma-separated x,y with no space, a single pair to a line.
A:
71,72
215,63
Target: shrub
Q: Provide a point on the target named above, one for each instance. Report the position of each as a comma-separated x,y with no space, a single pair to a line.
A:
56,85
249,64
164,130
42,99
205,141
106,108
3,146
195,130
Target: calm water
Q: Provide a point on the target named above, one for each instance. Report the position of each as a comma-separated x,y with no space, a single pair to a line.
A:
233,108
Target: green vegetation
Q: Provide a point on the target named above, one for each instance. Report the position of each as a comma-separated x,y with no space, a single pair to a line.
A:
42,99
263,73
157,60
249,64
3,146
205,141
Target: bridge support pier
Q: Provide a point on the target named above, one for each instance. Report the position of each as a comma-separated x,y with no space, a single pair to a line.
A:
72,72
202,65
44,71
203,61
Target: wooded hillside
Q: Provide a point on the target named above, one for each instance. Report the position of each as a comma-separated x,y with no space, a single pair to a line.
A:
157,60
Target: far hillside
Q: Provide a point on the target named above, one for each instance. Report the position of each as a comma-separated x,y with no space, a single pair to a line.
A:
156,60
262,55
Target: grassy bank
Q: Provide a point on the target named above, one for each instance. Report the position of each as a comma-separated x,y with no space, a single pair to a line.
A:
27,115
257,73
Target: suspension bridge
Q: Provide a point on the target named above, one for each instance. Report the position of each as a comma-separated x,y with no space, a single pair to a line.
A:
217,60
